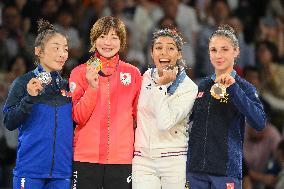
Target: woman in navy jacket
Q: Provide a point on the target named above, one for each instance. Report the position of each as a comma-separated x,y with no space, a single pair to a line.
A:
224,102
38,105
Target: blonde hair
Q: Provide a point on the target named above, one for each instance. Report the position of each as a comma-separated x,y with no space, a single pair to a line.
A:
103,26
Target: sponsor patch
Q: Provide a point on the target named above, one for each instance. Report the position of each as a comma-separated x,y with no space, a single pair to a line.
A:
72,87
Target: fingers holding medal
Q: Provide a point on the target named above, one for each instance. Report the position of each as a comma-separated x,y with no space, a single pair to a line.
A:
218,90
36,85
92,75
225,79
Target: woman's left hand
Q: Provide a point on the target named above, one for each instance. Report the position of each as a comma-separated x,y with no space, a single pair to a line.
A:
226,79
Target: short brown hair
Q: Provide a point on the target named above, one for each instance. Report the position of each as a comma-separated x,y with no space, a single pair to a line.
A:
103,26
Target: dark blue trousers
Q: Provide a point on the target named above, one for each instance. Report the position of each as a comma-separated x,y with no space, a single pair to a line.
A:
206,181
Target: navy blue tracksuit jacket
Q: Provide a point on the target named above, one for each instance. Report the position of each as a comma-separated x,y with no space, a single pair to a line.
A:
216,138
45,128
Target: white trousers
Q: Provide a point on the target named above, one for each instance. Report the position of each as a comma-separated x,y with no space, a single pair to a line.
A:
157,173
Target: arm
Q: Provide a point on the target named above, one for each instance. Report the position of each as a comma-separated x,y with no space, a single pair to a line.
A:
138,83
267,179
170,110
249,105
18,105
83,98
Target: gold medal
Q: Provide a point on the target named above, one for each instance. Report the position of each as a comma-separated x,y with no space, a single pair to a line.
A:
95,62
218,91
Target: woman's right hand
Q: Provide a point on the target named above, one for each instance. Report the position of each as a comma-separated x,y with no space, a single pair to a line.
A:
169,75
92,76
34,87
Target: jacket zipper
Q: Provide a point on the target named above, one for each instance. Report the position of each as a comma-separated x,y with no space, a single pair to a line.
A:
108,119
206,132
53,150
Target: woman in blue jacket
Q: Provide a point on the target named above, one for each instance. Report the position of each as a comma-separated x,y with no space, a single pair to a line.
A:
224,102
38,105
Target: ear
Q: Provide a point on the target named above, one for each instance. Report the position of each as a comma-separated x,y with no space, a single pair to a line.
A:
37,51
237,52
179,55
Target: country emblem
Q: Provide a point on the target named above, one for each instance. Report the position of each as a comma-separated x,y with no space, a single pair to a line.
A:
230,185
125,78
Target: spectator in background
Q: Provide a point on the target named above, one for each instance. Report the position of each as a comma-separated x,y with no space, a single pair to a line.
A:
271,72
4,51
9,140
219,14
247,183
280,157
12,24
143,18
259,150
64,24
247,53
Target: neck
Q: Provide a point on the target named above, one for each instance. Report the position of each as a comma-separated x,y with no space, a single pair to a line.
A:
46,69
221,72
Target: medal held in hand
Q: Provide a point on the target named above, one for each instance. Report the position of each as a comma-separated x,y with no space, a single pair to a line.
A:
45,78
95,62
218,91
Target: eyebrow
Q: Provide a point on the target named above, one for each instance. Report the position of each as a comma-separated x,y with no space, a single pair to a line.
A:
55,43
159,43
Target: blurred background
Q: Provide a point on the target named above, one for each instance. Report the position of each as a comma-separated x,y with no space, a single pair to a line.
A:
259,25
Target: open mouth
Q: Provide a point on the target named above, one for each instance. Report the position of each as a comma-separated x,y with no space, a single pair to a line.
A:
107,49
164,61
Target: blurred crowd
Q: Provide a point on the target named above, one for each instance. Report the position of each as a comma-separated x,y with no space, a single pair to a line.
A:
260,29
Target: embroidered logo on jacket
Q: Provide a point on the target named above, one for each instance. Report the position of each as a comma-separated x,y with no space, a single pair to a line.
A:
125,78
23,180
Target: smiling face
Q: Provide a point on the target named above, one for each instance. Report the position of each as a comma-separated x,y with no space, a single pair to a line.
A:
165,53
108,44
54,54
222,54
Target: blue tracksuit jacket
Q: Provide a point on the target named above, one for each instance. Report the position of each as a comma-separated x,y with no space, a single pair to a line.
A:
216,139
45,128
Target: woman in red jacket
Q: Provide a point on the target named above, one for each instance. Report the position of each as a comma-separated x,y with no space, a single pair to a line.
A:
104,94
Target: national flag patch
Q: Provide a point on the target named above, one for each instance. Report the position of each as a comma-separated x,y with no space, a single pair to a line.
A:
200,94
230,185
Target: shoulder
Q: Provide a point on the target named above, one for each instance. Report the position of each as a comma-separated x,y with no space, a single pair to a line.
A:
189,83
78,71
244,84
126,66
23,79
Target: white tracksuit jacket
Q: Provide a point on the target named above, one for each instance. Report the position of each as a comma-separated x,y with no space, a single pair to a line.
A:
162,119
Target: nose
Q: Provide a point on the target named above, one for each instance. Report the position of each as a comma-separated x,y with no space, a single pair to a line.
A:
107,41
63,53
218,54
163,51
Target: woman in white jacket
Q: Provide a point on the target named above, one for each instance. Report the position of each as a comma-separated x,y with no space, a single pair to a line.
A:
166,98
